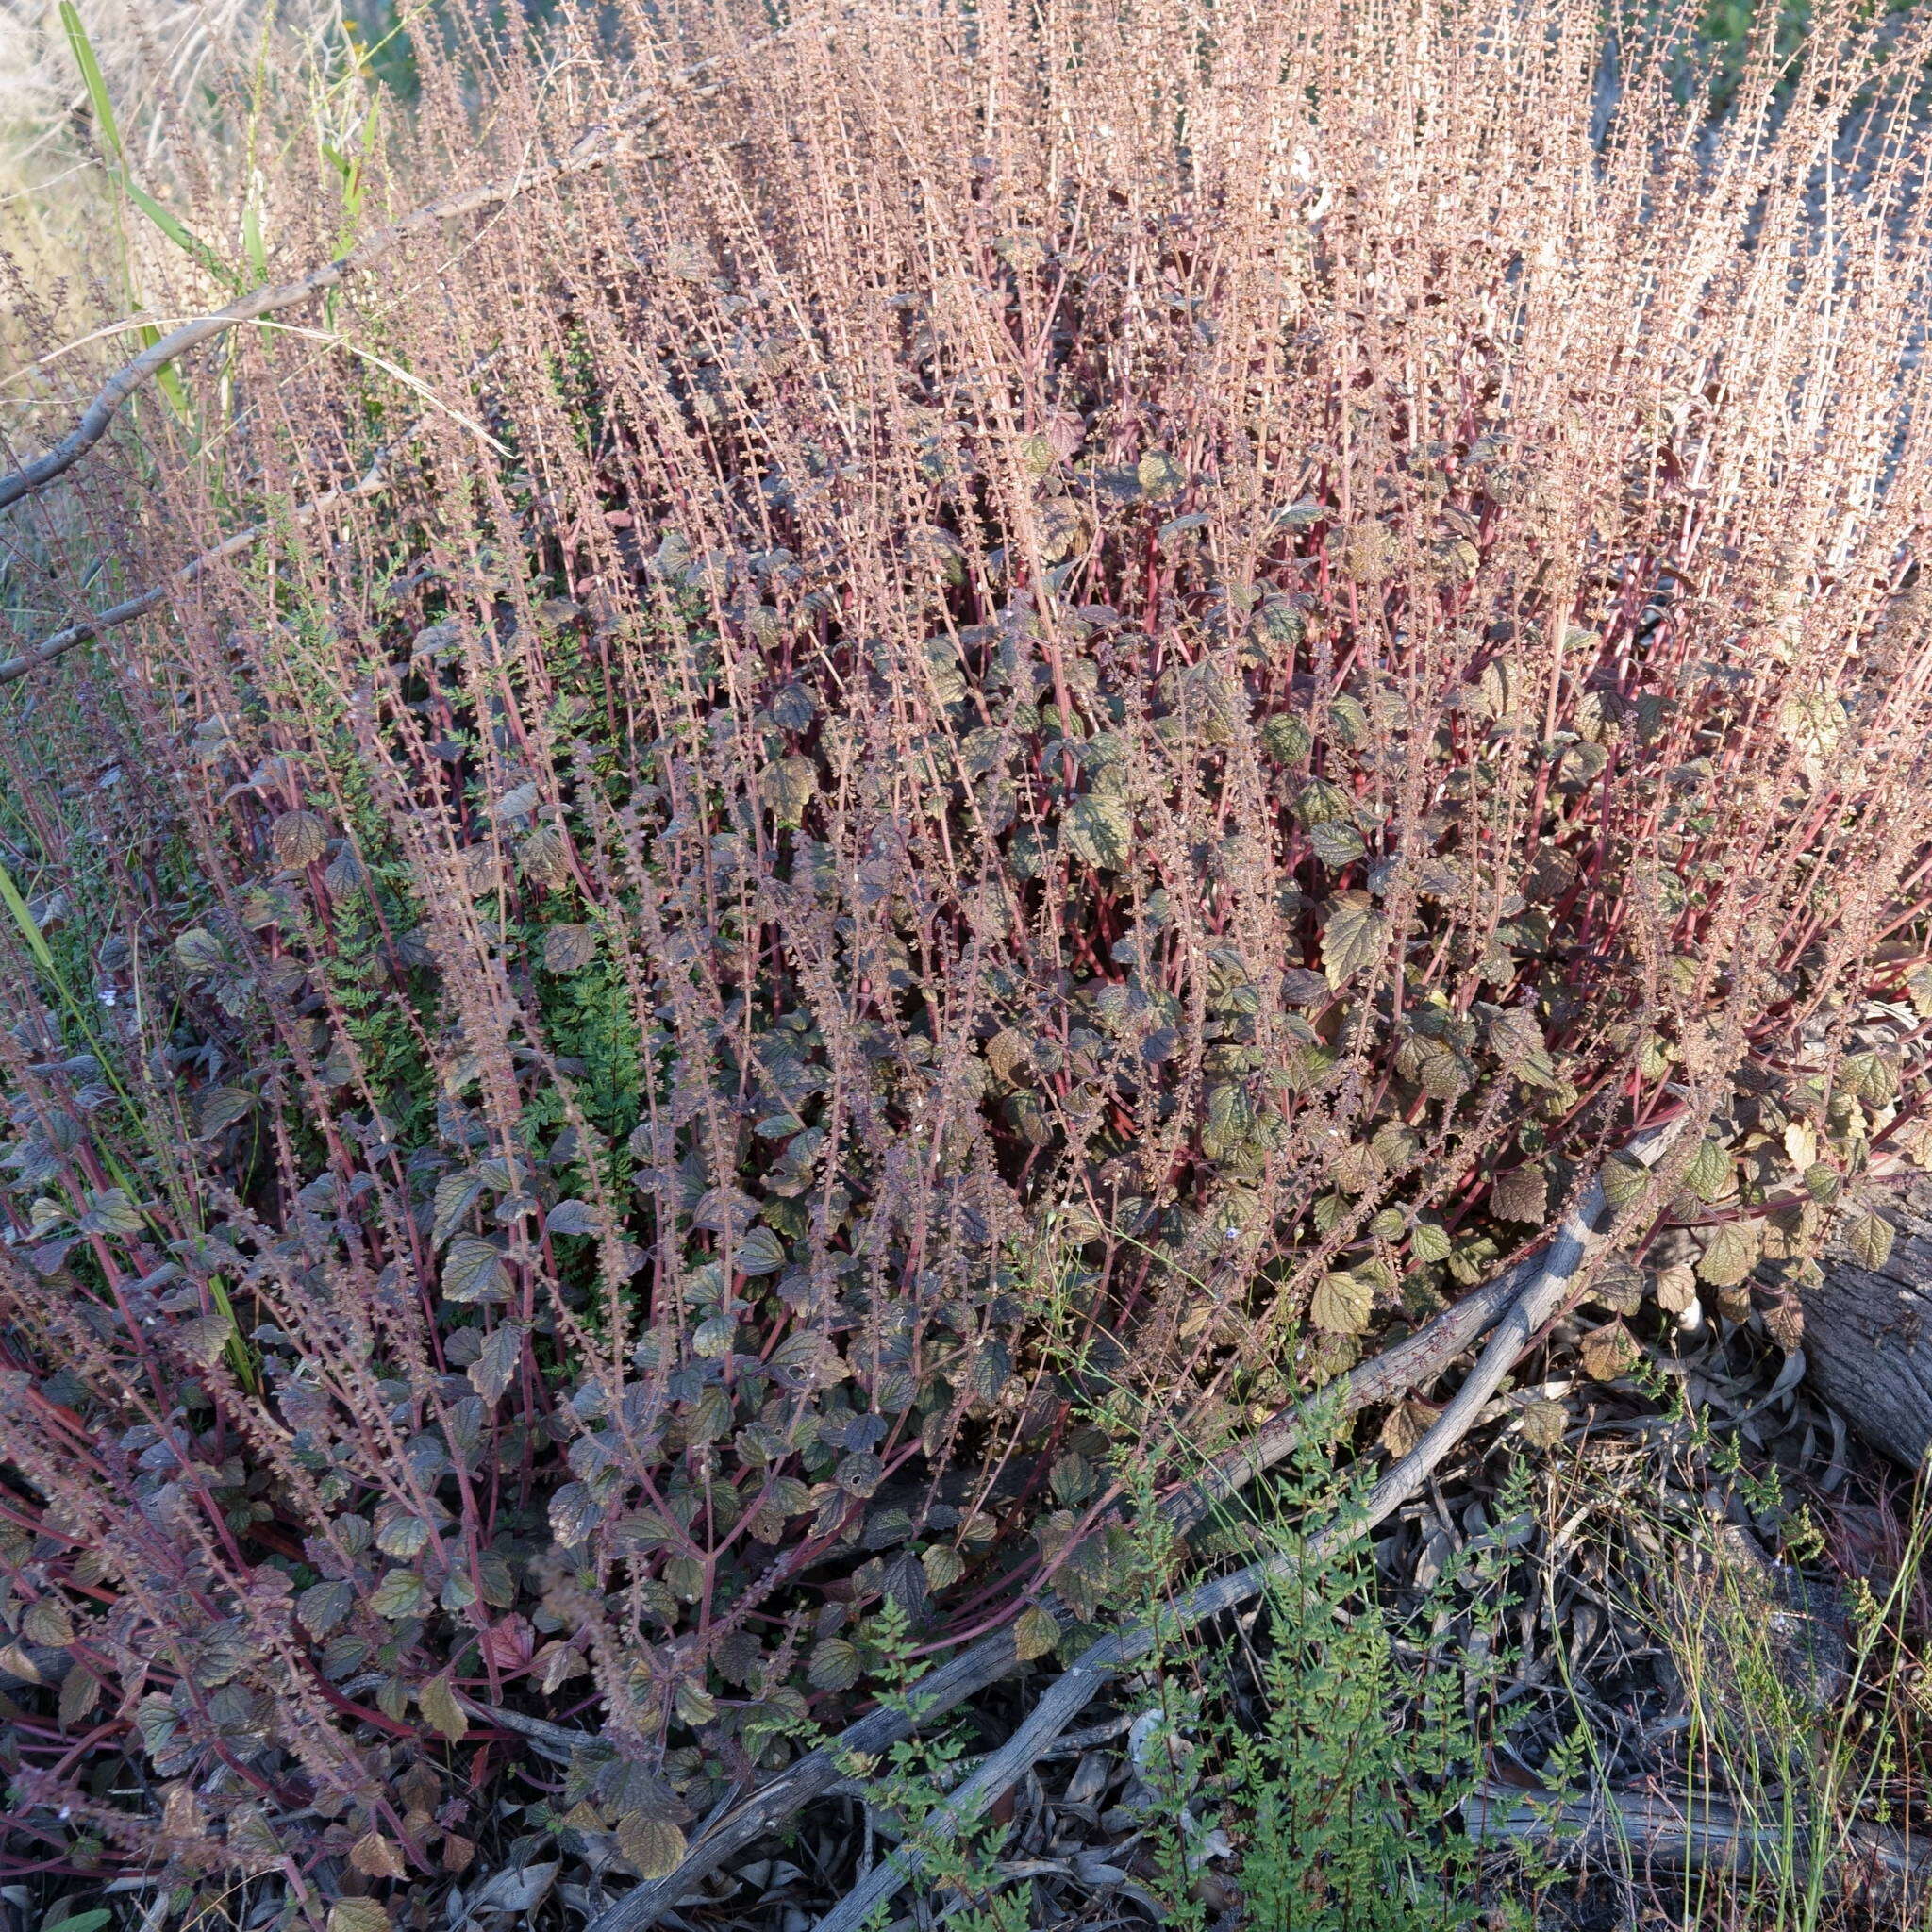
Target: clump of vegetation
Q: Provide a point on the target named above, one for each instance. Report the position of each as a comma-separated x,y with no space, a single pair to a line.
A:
984,736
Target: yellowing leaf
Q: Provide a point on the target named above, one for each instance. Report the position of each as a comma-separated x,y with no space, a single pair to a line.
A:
1322,802
46,1622
80,1691
655,1845
1609,1352
1542,1422
1676,1290
1522,1195
786,787
692,1702
1098,828
1869,1238
1405,1425
1341,1305
1158,475
1623,1180
1336,843
298,839
437,1701
1034,1634
401,1593
376,1857
943,1565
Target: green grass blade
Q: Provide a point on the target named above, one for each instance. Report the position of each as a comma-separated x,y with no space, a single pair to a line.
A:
105,123
28,925
184,237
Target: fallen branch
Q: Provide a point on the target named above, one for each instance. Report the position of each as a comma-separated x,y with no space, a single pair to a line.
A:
1516,1303
370,483
637,111
1626,1830
1082,1682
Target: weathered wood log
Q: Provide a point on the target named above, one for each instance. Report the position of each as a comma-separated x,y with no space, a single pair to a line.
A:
1636,1832
1868,1333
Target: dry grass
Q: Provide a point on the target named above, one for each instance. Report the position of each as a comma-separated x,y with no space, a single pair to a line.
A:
1053,711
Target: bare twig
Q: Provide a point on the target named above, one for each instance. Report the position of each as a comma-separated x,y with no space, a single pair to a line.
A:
1540,1297
1524,1295
637,110
1628,1829
371,482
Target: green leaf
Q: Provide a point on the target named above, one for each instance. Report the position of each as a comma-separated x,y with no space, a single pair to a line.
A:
496,1362
1710,1175
1347,719
184,239
1429,1242
110,1212
455,1194
29,927
1098,828
222,1107
401,1593
1353,937
574,1512
79,1922
473,1270
1287,739
1731,1252
569,948
834,1665
398,1533
323,1606
760,1253
859,1472
572,1216
1320,801
1277,621
1336,843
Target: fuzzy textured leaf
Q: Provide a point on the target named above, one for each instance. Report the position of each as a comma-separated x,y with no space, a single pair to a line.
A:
1353,937
1868,1237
